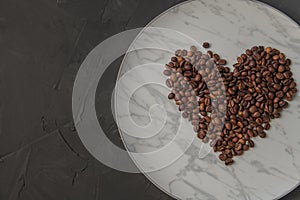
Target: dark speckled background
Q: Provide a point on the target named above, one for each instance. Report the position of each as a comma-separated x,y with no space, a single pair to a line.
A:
42,44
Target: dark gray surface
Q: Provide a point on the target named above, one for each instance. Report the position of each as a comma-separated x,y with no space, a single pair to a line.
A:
42,44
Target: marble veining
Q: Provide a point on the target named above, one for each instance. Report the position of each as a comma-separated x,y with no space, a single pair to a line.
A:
269,170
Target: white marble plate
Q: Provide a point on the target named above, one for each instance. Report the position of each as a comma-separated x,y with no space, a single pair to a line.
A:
163,145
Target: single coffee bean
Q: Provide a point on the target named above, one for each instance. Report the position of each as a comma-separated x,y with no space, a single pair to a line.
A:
169,83
178,52
277,86
245,147
248,52
281,69
253,109
167,72
171,96
251,143
193,48
262,134
280,76
210,54
228,126
185,115
267,126
260,129
229,161
174,59
222,157
183,52
222,62
252,63
206,45
276,57
190,53
201,134
216,57
268,50
196,128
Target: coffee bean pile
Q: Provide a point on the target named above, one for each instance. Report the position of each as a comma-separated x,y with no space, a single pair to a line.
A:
228,108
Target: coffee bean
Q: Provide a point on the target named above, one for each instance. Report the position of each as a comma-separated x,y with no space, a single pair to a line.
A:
167,72
268,50
262,134
245,147
196,128
252,63
222,62
202,107
193,48
276,57
169,83
248,52
260,129
228,126
216,57
183,52
178,52
201,134
187,74
267,126
222,157
229,161
185,115
206,45
171,96
280,76
205,140
251,143
287,74
277,86
210,54
174,59
190,53
253,109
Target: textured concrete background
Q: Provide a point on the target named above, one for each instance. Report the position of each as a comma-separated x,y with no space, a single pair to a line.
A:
42,44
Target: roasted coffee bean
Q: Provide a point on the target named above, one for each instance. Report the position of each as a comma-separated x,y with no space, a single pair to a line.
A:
181,107
185,115
229,161
183,52
262,134
277,86
216,57
222,62
167,72
190,54
228,126
171,96
222,157
201,134
205,45
256,114
251,143
245,147
267,126
281,69
210,54
174,59
169,83
253,109
197,78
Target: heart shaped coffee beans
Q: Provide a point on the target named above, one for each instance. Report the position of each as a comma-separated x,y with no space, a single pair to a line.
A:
228,108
